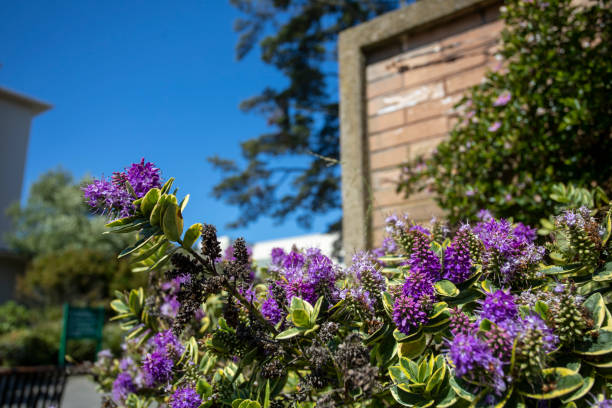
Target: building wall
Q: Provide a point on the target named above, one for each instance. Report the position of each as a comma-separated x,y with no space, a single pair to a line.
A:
16,114
400,76
411,88
14,134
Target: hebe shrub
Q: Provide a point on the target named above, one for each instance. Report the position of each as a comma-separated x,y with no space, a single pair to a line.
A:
481,317
543,117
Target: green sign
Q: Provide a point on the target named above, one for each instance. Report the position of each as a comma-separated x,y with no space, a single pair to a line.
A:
81,323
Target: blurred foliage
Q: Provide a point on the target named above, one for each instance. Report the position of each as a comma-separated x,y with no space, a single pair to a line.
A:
569,197
77,276
35,339
543,118
13,316
292,170
56,218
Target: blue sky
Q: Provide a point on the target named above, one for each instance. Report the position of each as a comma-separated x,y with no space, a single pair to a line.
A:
132,79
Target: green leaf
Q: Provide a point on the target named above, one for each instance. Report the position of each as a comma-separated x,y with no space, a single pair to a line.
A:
135,226
459,388
184,202
191,235
156,213
122,221
541,309
446,288
300,318
130,189
604,274
147,252
566,381
582,391
597,308
172,222
289,333
401,337
167,185
601,346
138,245
149,201
316,311
412,349
203,388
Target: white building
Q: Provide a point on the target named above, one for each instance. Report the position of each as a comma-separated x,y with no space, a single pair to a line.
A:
16,114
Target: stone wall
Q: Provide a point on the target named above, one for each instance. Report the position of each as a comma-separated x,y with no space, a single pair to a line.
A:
410,80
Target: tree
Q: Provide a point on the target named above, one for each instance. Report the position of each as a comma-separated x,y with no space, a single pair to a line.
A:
56,218
298,38
545,118
71,259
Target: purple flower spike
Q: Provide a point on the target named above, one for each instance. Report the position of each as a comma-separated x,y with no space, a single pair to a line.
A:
157,368
457,259
408,314
123,386
498,307
185,397
473,358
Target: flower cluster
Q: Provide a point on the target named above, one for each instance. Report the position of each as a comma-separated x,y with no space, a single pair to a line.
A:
305,274
482,353
468,318
157,365
113,197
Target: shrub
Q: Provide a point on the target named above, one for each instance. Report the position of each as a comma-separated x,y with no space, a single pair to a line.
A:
542,118
82,276
13,316
483,317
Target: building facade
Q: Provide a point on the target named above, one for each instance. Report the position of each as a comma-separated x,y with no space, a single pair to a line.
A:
16,114
401,74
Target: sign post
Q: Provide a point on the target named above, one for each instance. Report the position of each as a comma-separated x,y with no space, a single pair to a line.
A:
81,323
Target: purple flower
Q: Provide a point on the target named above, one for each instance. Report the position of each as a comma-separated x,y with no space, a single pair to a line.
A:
498,306
494,126
503,99
366,272
359,297
185,397
157,368
418,285
408,313
277,255
473,359
524,232
308,275
126,363
123,386
457,259
422,258
484,215
606,403
460,322
168,342
533,322
507,249
113,198
143,177
271,310
389,246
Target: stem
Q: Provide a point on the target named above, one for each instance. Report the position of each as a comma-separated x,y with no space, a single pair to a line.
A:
232,290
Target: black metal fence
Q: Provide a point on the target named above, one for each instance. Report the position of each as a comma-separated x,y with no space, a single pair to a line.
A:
32,387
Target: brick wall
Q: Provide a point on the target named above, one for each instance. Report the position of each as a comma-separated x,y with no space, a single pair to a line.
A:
411,85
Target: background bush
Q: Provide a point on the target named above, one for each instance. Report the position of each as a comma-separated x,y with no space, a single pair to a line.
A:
543,118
